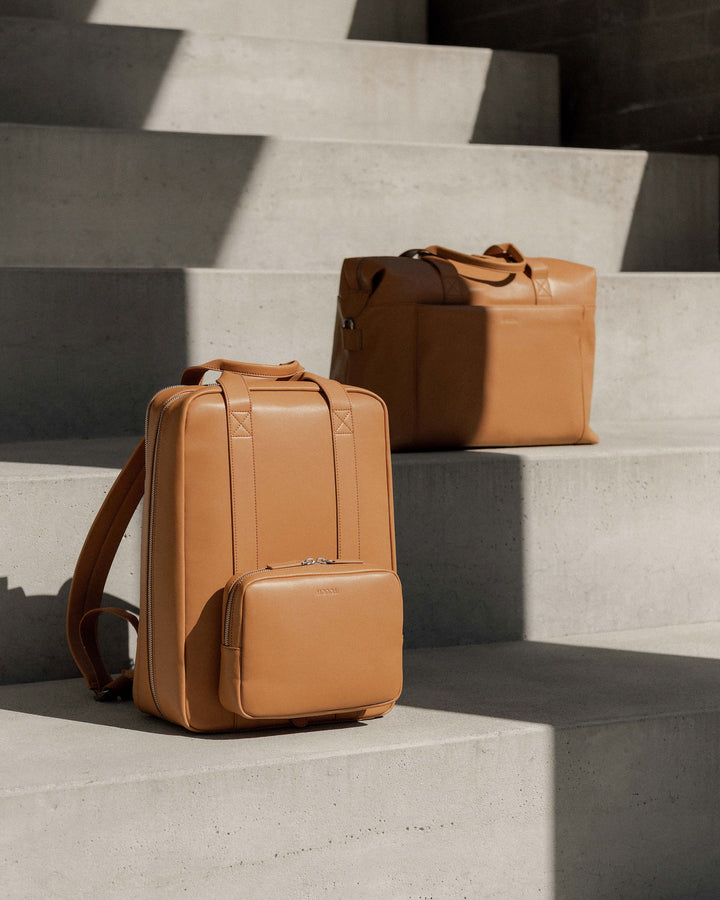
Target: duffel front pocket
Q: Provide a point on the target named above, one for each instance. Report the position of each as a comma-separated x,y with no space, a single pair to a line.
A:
310,640
499,376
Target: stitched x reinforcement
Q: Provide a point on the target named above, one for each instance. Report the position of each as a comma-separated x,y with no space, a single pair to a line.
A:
243,424
341,423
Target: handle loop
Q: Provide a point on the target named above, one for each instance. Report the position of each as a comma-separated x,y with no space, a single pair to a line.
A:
501,257
289,371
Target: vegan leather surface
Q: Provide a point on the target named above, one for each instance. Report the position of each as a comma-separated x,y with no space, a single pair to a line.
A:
310,639
490,350
202,524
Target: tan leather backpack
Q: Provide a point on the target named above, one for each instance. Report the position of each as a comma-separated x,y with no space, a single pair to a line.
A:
269,594
470,351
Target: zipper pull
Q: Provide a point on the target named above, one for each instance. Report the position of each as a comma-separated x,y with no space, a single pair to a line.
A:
312,561
292,565
338,562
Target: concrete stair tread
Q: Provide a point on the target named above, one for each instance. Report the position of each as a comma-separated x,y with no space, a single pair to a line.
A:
166,80
509,768
97,197
450,694
65,458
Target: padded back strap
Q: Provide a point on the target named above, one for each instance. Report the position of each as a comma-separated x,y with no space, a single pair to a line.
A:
91,572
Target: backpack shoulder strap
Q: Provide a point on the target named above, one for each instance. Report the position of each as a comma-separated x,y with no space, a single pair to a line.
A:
91,572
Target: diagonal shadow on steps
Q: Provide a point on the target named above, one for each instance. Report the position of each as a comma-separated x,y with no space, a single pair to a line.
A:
459,535
375,20
38,649
101,197
633,751
537,124
646,226
122,337
48,9
121,74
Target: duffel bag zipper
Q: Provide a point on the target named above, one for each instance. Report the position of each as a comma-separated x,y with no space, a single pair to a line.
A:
310,561
151,535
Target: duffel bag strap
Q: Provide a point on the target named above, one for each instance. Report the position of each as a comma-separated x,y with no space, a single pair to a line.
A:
91,572
535,269
499,257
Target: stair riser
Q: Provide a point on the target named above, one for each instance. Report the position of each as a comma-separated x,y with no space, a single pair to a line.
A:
354,827
657,347
42,528
373,20
495,547
617,809
111,366
491,545
96,198
124,335
175,81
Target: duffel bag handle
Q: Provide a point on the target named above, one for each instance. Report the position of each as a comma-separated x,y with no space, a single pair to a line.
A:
501,257
290,371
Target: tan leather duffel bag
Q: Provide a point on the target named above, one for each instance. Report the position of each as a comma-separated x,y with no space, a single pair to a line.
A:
470,351
268,589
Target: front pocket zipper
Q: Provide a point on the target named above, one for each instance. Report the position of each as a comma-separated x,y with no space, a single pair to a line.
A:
310,561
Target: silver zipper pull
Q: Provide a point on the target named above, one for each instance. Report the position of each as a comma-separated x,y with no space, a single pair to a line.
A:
309,561
338,562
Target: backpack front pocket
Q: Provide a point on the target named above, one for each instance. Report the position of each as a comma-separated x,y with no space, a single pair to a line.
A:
311,640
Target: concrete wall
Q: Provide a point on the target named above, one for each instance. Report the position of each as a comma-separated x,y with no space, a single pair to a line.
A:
634,73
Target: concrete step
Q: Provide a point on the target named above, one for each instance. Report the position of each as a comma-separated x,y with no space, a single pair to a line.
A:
566,769
121,334
371,20
223,83
49,495
656,351
544,541
85,197
492,544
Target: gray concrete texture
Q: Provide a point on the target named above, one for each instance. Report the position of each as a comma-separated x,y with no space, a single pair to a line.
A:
595,777
225,83
492,545
657,347
85,197
372,20
126,333
636,74
48,506
539,542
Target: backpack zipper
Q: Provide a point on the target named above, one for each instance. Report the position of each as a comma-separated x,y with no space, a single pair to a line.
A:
151,526
310,561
